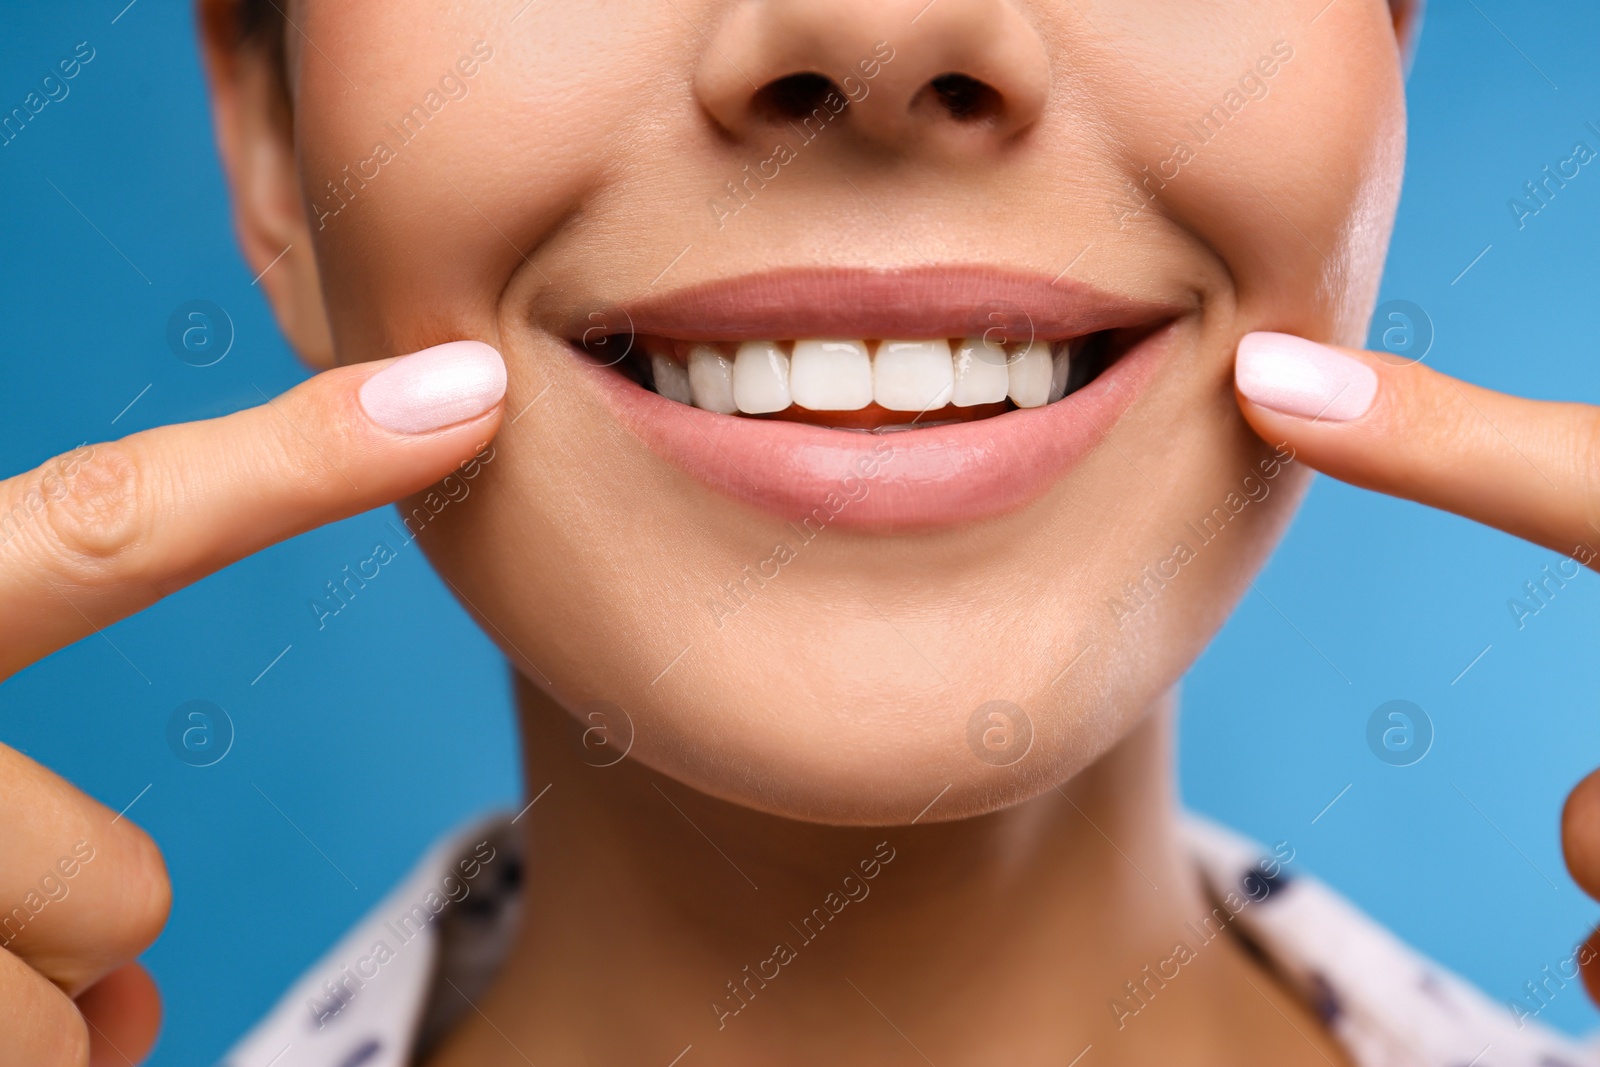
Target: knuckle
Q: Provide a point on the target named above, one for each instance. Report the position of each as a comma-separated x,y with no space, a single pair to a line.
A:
332,418
92,523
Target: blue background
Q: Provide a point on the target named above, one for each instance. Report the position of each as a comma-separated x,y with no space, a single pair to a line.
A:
367,739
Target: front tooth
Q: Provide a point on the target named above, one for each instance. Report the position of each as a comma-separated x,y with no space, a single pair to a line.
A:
711,380
760,378
913,375
981,376
1060,367
1029,372
831,375
672,380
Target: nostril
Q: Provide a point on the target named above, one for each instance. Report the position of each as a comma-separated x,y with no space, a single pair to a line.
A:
794,96
966,99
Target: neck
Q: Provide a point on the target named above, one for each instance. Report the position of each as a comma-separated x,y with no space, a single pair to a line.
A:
658,918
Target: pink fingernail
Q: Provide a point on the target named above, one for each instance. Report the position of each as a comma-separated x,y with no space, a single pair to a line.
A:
1299,377
434,388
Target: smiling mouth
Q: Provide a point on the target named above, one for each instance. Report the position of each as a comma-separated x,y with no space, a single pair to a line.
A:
972,390
861,384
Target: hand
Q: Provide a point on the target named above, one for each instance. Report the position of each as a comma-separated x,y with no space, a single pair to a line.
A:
104,531
1527,467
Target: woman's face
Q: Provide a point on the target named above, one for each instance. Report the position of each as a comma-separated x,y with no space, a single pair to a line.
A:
814,621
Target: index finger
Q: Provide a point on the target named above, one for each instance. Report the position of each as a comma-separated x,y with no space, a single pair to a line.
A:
102,532
1528,467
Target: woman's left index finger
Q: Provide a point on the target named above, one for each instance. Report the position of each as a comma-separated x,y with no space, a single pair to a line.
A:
1528,467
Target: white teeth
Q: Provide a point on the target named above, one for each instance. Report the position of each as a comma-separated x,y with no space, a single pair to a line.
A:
1060,367
711,380
845,374
1030,373
671,378
913,375
761,378
831,375
980,370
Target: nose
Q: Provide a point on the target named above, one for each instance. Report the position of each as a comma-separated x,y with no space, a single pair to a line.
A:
900,72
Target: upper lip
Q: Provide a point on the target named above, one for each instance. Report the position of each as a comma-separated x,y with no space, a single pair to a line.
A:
932,301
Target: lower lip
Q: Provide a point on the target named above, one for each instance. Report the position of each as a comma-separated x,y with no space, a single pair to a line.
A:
886,482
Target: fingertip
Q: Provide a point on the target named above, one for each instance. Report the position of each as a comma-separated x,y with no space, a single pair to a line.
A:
1589,964
148,890
1580,833
123,1011
435,388
1289,375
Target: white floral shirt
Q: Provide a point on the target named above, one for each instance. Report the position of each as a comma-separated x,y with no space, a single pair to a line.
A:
396,984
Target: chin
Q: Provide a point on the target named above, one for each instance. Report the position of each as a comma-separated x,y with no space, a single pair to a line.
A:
899,763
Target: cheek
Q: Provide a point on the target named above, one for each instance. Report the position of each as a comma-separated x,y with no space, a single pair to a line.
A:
1292,191
1298,191
393,168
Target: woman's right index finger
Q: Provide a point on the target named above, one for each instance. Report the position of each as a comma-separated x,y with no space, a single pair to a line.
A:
106,530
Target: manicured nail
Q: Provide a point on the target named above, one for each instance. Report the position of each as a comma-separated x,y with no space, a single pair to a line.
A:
434,388
1299,377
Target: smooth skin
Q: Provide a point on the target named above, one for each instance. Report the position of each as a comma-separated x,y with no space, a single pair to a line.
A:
148,515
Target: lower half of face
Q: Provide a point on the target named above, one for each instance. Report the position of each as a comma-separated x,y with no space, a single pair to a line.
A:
870,427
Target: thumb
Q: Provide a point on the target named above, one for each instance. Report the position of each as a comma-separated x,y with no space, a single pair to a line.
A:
1530,468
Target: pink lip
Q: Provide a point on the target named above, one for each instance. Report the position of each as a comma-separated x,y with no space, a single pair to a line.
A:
890,482
951,301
